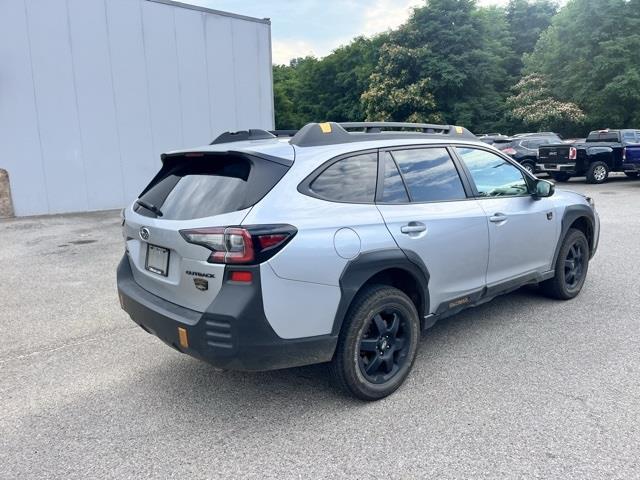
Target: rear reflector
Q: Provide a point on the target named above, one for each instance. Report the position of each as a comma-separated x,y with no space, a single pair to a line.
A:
240,276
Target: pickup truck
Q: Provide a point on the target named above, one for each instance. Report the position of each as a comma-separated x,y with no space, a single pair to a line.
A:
603,151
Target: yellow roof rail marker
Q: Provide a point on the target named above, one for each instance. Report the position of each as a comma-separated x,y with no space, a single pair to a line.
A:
325,127
183,338
458,129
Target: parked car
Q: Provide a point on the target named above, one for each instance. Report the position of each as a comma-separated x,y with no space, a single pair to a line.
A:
524,147
604,151
537,134
491,139
340,244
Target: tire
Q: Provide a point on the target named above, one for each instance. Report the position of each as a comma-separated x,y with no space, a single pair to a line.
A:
631,174
598,172
368,362
560,176
571,267
529,167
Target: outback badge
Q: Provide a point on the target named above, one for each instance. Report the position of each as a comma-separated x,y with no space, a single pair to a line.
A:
201,284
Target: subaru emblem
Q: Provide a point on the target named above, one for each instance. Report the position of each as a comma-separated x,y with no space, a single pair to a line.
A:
144,233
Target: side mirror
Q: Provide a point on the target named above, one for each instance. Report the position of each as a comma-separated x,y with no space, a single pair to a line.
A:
544,189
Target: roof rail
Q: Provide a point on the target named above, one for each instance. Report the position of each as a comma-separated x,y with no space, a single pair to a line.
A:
330,133
283,133
241,135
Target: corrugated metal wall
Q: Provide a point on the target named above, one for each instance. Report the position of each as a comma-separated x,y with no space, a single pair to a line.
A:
93,91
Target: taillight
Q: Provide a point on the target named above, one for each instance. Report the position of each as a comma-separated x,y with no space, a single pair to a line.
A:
573,153
624,153
509,151
240,245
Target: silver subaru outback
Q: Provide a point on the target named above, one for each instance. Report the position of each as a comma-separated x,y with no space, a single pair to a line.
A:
341,244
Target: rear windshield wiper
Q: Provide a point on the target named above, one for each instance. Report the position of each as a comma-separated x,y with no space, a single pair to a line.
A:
149,206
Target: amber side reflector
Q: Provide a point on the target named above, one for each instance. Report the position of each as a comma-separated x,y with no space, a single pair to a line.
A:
183,338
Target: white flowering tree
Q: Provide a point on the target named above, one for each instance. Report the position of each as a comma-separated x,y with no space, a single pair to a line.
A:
534,105
397,92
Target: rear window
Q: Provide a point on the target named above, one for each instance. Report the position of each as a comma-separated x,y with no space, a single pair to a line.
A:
603,137
351,179
197,187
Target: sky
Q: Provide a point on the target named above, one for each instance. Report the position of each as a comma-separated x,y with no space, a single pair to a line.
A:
316,27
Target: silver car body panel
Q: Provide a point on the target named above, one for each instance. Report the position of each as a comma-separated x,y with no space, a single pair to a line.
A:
451,228
297,309
520,242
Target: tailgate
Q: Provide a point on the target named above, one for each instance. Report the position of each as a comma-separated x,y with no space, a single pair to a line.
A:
554,154
194,190
165,264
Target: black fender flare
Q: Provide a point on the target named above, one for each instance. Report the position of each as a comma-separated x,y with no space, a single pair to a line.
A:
571,214
357,271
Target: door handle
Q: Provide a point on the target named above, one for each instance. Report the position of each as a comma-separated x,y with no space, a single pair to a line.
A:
413,227
498,217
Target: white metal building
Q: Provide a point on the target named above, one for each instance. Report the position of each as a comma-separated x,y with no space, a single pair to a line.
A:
93,91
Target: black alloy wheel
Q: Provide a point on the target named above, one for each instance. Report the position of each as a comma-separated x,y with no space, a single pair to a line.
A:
384,346
377,344
574,265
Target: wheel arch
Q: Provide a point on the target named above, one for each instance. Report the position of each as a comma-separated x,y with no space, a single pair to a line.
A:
394,267
580,217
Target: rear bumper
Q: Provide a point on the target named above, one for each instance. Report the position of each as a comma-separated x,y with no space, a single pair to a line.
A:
559,167
233,333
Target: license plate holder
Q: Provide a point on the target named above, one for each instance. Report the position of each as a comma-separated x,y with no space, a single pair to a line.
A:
157,260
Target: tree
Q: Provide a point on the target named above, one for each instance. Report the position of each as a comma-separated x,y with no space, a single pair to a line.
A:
534,106
309,89
590,56
527,20
396,93
456,51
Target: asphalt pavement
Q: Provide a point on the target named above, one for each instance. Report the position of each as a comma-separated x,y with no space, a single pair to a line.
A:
521,387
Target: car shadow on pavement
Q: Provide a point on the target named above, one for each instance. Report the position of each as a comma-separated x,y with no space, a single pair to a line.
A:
208,387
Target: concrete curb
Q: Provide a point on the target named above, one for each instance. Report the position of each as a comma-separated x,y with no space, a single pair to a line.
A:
6,206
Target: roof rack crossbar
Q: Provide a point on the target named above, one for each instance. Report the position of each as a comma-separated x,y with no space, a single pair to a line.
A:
331,133
378,127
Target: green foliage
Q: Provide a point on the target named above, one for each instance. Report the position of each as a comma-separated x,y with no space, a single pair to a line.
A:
329,89
591,56
396,90
456,62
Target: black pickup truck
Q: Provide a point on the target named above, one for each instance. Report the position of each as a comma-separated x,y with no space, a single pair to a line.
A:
603,151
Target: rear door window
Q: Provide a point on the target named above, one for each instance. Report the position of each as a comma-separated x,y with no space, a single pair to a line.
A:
351,179
211,184
429,174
